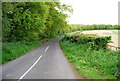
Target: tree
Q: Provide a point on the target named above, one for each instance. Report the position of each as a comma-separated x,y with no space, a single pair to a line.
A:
33,20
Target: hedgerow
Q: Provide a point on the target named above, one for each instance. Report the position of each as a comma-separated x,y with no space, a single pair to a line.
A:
90,57
94,41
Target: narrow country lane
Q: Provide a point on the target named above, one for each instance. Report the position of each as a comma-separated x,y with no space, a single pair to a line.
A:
44,62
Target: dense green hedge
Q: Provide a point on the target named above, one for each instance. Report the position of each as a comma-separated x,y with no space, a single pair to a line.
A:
94,41
89,54
92,64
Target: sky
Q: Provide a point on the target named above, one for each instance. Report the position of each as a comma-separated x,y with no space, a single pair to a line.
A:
93,11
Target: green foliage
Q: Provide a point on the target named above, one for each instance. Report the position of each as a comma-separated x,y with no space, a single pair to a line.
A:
29,22
33,20
95,42
92,64
77,27
13,50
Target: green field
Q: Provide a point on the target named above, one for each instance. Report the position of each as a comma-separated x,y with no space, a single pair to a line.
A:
92,64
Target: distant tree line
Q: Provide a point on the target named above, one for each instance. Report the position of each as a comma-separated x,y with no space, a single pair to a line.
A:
78,27
33,20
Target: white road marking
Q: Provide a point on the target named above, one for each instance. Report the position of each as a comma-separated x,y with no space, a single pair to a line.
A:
30,68
47,48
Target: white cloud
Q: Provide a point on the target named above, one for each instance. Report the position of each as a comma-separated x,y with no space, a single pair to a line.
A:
93,11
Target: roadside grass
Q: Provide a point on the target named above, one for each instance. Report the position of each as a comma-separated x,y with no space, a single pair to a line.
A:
13,50
92,64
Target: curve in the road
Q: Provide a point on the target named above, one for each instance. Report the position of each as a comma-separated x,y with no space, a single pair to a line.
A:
44,62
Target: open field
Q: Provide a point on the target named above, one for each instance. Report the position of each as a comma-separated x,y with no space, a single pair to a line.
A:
113,33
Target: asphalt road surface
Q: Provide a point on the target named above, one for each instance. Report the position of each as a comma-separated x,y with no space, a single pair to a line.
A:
44,62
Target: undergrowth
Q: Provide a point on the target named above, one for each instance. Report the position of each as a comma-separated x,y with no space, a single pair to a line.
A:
13,50
91,63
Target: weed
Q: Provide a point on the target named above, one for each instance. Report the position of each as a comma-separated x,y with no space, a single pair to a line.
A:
93,64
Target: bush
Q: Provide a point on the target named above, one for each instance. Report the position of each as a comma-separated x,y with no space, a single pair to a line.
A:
94,41
92,64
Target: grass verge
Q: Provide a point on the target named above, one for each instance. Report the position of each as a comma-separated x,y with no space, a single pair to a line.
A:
92,64
13,50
